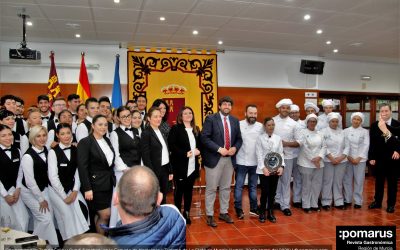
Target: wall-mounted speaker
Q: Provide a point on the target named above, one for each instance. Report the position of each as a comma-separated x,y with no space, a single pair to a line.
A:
312,67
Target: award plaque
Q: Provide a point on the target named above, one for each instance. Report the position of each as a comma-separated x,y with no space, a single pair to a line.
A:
272,162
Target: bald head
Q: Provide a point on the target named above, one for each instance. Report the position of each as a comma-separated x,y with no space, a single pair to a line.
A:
138,191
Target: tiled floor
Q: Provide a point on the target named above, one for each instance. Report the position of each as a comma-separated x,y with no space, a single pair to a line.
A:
300,228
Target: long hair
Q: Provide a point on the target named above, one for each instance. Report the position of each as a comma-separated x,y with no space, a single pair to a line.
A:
179,119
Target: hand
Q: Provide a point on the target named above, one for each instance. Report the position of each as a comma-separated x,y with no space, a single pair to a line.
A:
196,152
189,154
16,194
170,177
232,151
351,160
44,206
395,155
266,172
382,125
73,195
372,162
223,151
339,159
332,159
279,171
10,200
356,160
316,161
89,195
53,144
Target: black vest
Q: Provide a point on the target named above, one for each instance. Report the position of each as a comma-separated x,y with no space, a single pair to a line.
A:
110,127
39,169
20,126
66,168
17,140
129,149
9,167
51,125
88,125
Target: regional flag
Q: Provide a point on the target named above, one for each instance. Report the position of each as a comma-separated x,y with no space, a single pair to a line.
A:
53,86
116,99
83,89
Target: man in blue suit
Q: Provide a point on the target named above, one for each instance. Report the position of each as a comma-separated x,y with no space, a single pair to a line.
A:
221,139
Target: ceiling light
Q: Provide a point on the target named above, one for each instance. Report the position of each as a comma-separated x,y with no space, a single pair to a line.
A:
307,17
328,42
319,31
29,23
356,44
195,32
77,35
116,1
220,42
335,51
162,18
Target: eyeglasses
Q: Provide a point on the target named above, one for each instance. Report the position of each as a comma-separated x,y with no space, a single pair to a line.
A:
126,116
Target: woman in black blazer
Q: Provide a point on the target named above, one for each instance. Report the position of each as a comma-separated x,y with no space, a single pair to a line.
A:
155,153
96,171
184,142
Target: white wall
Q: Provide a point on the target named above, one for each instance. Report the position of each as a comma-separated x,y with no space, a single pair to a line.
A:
235,69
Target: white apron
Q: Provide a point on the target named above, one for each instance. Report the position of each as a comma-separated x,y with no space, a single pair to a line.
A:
18,212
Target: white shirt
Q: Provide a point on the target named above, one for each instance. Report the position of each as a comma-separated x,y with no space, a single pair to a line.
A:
265,145
27,168
336,144
359,142
119,163
3,191
165,153
81,130
312,145
24,143
286,128
246,155
106,150
229,127
53,172
192,160
324,123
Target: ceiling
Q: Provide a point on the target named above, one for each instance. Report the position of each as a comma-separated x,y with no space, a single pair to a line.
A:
359,29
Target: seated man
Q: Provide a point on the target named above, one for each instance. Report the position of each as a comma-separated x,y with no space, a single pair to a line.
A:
144,223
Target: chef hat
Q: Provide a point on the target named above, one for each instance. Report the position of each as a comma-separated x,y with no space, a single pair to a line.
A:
284,102
311,105
310,116
333,115
294,107
359,114
327,102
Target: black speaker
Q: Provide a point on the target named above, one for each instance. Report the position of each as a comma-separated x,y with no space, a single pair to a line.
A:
312,67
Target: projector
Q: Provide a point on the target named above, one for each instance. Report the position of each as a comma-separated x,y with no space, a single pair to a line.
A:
25,55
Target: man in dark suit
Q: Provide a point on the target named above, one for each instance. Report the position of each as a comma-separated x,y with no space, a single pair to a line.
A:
221,139
384,157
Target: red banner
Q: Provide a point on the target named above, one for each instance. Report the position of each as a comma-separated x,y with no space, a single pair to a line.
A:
53,86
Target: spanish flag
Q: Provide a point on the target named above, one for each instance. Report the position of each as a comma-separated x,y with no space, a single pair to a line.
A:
83,89
53,86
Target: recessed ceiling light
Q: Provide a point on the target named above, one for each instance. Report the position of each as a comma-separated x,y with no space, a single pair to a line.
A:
335,51
220,42
116,1
307,17
195,32
29,23
328,42
162,18
319,31
77,35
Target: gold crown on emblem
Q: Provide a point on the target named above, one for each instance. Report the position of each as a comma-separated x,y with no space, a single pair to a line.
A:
173,89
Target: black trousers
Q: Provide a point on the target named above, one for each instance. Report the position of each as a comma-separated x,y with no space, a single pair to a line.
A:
268,190
163,180
184,188
386,170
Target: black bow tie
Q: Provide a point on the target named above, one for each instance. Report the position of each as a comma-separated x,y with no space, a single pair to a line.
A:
67,148
45,118
142,113
128,129
41,152
7,149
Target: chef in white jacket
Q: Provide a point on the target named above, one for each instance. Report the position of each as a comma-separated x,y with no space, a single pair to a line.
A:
328,106
310,159
295,115
335,161
64,190
358,138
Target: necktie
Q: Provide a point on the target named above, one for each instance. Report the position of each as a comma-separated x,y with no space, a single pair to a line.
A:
227,140
67,148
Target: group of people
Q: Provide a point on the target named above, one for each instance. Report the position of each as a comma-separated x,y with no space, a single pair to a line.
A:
80,163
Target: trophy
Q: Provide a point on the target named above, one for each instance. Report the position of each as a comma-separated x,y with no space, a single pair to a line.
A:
272,162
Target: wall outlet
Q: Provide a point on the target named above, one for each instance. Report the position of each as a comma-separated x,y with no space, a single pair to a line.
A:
311,94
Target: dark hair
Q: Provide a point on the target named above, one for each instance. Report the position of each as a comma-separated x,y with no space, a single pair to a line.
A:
225,99
138,191
43,97
73,96
64,111
129,101
82,104
157,104
104,99
250,106
62,125
385,104
192,122
135,111
137,97
18,99
3,127
4,113
4,98
89,100
267,119
122,108
151,111
96,117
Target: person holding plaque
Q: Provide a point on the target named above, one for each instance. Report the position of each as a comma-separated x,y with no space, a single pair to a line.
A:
269,151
